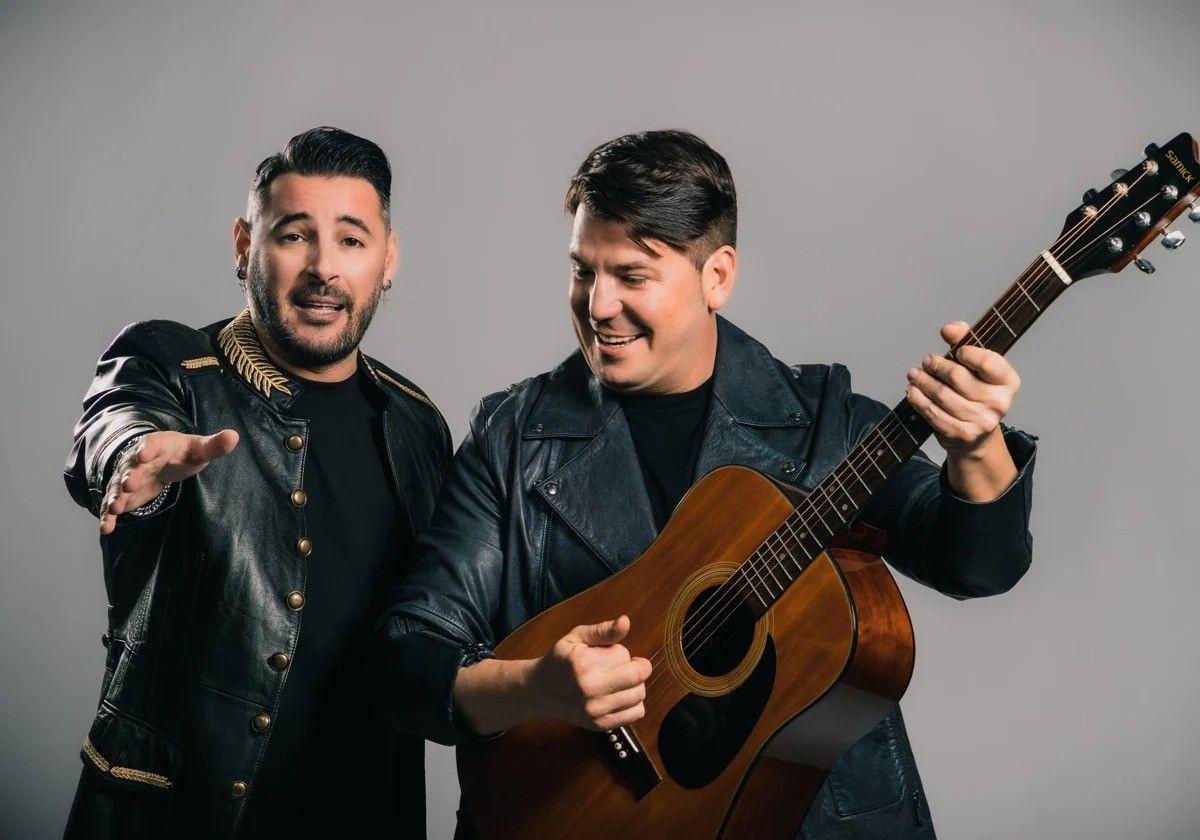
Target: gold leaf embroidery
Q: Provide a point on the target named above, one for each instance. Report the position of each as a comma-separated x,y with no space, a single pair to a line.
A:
94,754
241,345
141,776
128,773
202,362
379,374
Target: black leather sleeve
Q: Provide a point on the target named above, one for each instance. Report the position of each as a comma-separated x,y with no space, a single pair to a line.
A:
134,392
439,618
962,548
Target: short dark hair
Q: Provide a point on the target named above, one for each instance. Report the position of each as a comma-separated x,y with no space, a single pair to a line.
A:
327,152
667,185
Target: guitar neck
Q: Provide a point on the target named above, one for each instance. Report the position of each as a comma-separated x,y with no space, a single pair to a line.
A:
837,499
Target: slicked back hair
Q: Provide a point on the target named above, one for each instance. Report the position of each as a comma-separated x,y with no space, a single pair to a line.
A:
666,185
325,152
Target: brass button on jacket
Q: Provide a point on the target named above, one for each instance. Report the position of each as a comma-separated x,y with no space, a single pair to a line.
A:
295,601
279,661
261,722
294,443
304,546
299,497
238,789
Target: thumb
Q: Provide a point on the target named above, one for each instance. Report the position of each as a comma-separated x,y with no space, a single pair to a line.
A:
604,633
214,446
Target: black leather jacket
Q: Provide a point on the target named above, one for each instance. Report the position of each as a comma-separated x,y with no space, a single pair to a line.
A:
545,498
198,591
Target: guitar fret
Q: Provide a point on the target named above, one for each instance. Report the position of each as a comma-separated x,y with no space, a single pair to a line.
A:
850,464
770,571
1005,323
889,446
845,492
910,435
1032,302
829,499
753,588
873,461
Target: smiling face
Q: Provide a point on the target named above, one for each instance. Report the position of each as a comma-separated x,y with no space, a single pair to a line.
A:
646,322
318,256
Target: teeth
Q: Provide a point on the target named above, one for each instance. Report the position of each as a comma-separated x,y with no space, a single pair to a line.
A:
613,340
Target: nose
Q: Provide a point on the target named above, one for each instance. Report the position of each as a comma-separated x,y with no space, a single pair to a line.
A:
604,301
323,265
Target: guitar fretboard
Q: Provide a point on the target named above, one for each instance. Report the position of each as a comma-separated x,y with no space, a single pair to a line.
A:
837,499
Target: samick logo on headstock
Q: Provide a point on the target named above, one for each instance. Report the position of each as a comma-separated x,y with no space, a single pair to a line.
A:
1178,164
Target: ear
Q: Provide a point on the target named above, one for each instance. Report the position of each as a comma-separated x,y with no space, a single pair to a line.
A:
391,262
241,243
718,277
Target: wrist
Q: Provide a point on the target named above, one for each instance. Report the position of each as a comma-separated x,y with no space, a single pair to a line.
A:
981,450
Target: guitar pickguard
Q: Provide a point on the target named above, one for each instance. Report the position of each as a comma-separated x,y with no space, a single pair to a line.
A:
701,735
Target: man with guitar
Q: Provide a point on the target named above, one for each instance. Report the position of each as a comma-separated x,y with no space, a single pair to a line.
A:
567,477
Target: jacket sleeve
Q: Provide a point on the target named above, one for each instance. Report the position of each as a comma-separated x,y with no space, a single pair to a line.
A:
961,548
132,393
439,615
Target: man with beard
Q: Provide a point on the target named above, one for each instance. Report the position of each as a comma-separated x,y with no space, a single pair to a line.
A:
259,483
568,476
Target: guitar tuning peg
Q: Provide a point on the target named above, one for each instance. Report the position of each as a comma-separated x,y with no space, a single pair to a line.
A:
1144,265
1119,173
1194,212
1090,196
1172,239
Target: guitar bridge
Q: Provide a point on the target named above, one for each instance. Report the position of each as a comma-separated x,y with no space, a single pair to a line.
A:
624,754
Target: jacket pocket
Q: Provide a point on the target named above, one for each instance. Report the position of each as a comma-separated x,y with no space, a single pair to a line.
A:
868,775
129,754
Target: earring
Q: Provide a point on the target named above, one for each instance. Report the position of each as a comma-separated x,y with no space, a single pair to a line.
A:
241,272
387,285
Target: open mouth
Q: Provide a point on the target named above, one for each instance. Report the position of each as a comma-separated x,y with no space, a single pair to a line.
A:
617,340
316,305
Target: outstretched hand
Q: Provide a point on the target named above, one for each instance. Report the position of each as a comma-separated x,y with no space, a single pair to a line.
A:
156,460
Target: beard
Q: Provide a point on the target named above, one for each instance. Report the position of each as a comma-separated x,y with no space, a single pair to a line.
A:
306,354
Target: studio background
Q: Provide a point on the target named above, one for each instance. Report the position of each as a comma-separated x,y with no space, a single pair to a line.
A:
898,164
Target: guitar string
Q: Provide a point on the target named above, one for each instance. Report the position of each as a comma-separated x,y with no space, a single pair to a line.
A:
989,324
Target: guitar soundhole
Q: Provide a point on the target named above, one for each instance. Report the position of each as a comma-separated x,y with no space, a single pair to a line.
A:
717,632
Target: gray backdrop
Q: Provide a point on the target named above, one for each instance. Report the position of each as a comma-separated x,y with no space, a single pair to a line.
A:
898,165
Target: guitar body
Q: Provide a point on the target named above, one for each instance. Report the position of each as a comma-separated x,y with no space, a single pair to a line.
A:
733,744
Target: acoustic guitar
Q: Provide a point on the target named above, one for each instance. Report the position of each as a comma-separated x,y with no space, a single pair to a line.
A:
777,635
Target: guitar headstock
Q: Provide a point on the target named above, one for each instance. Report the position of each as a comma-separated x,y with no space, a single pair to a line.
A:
1113,225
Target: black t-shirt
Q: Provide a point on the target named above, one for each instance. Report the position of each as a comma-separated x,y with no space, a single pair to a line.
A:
332,759
667,430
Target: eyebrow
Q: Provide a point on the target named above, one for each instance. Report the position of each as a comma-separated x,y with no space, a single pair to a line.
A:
616,269
301,216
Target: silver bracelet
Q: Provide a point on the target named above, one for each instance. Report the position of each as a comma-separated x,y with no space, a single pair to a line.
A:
158,501
154,504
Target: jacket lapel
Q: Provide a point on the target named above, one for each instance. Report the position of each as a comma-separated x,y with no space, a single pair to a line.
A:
598,492
755,418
